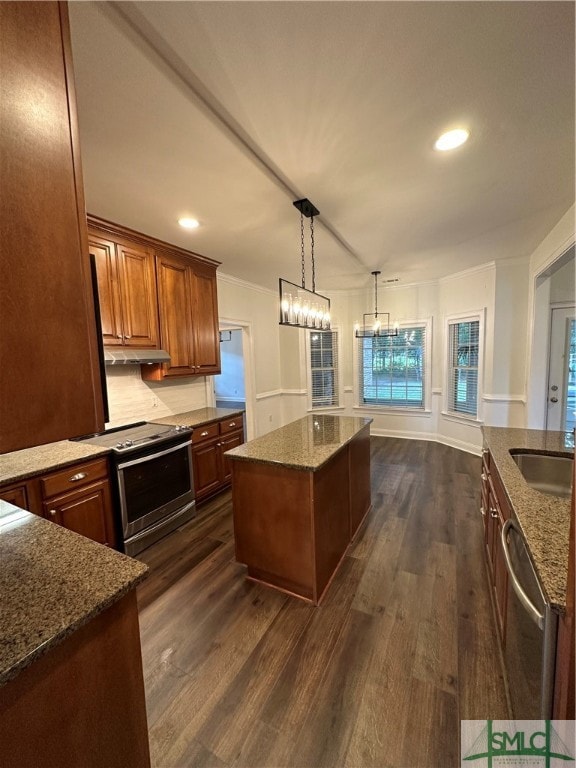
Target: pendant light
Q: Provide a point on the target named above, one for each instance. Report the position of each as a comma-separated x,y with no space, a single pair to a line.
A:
299,307
376,323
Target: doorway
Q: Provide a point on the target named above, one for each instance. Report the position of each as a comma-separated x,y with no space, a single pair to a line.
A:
561,404
230,386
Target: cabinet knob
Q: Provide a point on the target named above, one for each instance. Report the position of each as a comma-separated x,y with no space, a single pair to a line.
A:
118,335
484,476
53,512
79,476
203,434
482,511
493,512
128,337
232,424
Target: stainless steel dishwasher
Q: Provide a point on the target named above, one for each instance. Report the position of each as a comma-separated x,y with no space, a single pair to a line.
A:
530,637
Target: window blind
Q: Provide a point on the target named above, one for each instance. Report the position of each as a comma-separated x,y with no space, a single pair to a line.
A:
324,368
463,348
392,368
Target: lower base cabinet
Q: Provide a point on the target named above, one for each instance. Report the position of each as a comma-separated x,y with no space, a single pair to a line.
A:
78,497
82,704
212,471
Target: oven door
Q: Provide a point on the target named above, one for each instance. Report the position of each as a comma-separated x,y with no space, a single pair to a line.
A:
154,487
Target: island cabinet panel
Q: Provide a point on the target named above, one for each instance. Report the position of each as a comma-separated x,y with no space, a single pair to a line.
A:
273,526
331,502
359,474
48,324
82,704
293,521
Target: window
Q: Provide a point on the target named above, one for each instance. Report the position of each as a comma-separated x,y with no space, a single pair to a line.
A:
324,369
463,366
393,369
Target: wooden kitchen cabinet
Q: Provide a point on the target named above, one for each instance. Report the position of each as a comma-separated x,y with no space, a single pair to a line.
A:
188,305
495,511
212,470
126,289
78,497
48,339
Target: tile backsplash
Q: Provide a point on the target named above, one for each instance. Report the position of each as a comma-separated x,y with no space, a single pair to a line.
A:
130,399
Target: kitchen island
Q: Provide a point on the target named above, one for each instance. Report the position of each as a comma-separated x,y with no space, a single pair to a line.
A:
299,496
71,681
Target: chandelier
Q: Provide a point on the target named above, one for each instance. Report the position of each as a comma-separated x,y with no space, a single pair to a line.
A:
299,307
376,323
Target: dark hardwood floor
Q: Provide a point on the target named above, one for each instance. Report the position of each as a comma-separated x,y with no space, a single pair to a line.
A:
402,648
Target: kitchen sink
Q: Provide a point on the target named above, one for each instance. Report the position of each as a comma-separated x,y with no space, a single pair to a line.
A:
545,473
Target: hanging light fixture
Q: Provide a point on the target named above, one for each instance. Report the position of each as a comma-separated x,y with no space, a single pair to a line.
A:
376,323
299,307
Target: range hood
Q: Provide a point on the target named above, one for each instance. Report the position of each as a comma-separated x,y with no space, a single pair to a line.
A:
127,356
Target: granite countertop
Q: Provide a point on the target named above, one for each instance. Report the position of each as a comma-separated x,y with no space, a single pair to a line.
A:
544,519
198,417
52,582
19,465
305,444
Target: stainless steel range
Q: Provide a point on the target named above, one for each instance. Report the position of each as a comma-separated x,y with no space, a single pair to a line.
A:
154,481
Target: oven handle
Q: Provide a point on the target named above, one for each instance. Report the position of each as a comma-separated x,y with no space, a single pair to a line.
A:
178,447
534,613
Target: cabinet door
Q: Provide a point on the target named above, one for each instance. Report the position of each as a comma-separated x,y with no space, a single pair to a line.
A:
87,511
104,253
47,320
175,315
138,290
227,442
206,463
16,495
205,320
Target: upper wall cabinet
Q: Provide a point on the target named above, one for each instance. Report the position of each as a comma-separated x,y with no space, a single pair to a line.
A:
126,290
141,279
50,386
188,317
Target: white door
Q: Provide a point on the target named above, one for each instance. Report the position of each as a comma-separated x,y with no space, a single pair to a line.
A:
561,410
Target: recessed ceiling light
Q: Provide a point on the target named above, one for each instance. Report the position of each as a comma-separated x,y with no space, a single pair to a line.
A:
452,139
188,223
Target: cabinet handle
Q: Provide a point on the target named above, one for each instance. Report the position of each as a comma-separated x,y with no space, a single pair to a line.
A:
482,511
53,512
203,434
484,476
493,512
485,451
118,335
232,424
79,476
128,337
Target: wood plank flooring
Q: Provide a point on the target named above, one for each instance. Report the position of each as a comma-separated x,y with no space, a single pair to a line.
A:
403,647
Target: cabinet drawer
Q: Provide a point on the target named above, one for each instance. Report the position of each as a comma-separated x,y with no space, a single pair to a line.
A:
74,476
205,432
231,425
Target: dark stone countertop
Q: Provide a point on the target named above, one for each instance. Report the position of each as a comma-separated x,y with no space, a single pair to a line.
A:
544,519
52,582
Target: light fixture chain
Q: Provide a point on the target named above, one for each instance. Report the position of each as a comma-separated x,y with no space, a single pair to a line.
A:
312,254
376,294
302,248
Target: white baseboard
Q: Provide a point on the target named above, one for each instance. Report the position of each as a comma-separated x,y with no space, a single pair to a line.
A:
432,437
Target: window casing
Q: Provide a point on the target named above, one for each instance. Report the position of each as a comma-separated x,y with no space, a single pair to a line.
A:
393,371
464,361
324,373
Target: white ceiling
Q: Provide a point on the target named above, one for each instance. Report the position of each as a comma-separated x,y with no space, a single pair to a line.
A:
229,111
